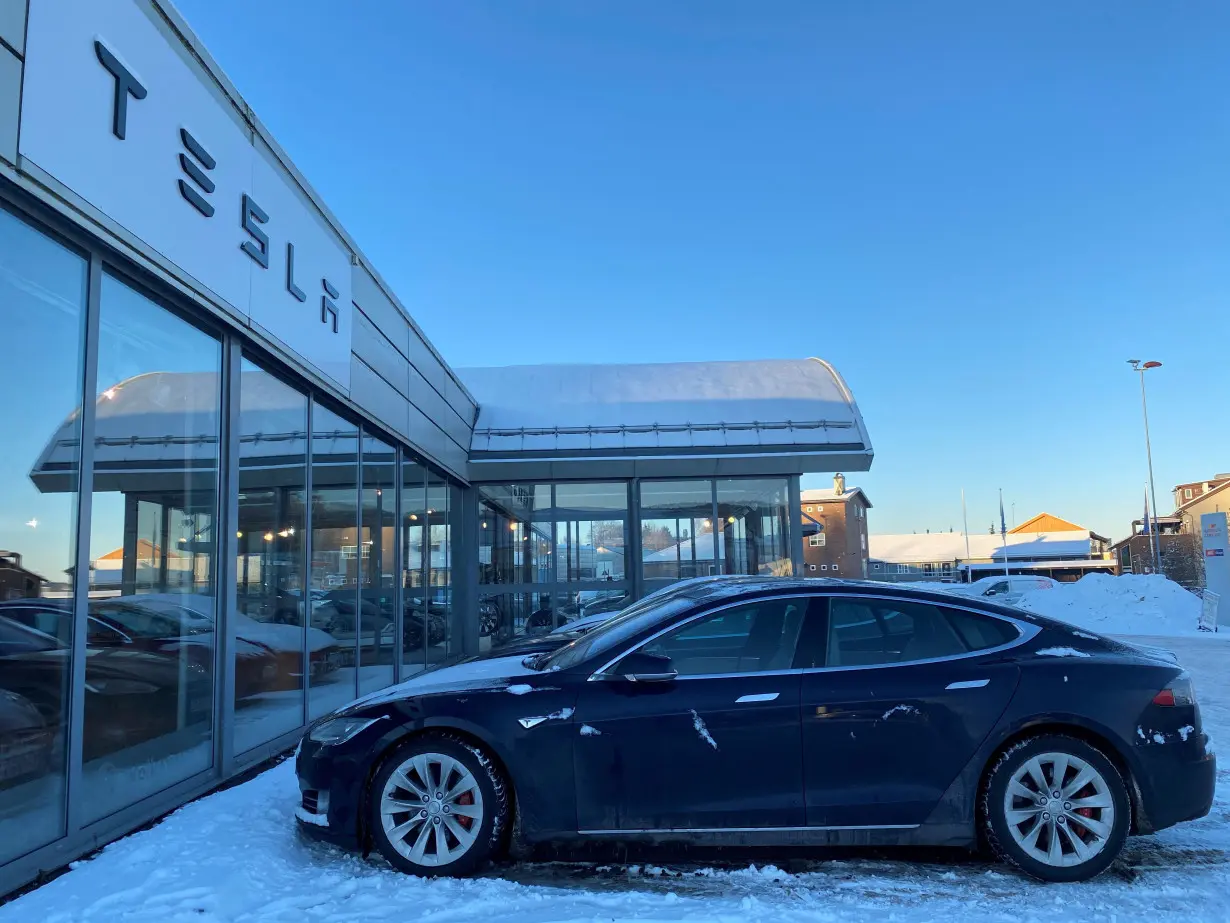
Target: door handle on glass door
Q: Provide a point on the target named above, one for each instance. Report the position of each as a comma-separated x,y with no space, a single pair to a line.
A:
968,684
758,697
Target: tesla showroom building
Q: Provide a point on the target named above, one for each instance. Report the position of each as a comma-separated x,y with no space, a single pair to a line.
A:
239,487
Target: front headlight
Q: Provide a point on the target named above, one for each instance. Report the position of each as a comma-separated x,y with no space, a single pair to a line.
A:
339,730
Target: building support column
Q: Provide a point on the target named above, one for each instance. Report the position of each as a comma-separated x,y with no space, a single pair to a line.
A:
794,533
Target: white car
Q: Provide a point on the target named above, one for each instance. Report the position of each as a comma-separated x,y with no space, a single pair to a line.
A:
1008,590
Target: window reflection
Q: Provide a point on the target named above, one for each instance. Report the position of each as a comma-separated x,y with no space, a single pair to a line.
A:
754,519
677,534
436,604
334,582
419,625
591,522
42,300
378,589
559,550
269,568
149,676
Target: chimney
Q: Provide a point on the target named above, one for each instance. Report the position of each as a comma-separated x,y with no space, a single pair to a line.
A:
839,484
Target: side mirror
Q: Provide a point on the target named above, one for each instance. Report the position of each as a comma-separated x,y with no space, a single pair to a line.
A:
640,667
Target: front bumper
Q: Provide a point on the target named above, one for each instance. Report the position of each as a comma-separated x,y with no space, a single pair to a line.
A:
332,781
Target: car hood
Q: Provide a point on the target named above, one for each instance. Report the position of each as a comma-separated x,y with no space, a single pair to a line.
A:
280,637
477,675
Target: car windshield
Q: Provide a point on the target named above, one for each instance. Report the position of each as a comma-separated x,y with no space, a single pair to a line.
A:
654,608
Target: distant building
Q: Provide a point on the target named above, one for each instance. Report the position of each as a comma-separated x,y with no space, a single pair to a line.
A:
1045,545
1176,535
15,581
1186,493
835,531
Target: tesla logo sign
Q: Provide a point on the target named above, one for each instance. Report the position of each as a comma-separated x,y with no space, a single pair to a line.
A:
195,161
120,115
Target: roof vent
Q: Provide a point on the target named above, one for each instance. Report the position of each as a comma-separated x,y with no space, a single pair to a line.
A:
839,484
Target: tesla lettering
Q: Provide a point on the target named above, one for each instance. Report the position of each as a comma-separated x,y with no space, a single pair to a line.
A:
195,162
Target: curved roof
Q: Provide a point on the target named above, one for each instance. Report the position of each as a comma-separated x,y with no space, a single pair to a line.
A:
796,407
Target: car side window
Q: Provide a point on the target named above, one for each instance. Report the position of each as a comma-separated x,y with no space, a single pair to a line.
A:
755,637
998,589
871,632
980,632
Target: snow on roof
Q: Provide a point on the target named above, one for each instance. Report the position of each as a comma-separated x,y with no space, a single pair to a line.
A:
779,402
830,495
950,546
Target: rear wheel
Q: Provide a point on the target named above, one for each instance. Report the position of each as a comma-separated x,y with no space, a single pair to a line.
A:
438,807
1056,808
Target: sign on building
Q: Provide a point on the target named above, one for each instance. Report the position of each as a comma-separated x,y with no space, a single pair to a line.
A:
115,110
1216,562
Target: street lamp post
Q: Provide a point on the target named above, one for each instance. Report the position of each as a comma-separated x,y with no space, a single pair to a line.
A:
1142,367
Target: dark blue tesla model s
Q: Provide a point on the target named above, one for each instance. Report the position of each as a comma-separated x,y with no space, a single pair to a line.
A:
759,711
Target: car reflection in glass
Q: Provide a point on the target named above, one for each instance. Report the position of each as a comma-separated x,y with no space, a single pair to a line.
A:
132,695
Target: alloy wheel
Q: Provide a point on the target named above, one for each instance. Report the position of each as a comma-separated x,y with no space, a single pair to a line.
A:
431,809
1059,809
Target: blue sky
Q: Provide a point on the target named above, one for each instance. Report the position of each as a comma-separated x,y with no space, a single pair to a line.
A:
976,211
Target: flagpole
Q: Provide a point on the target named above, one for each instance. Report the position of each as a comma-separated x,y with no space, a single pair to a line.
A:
1003,531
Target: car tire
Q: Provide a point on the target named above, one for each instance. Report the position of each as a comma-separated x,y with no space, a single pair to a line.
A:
464,828
1072,837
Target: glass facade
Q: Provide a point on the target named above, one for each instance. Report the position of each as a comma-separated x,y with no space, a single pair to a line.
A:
549,554
271,563
253,556
153,553
42,300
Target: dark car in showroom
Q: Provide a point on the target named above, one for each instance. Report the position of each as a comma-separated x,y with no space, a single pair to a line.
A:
774,712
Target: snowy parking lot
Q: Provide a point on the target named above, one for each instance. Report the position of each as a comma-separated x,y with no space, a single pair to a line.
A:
235,856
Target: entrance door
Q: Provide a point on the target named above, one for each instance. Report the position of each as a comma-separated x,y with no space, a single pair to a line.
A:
901,707
715,749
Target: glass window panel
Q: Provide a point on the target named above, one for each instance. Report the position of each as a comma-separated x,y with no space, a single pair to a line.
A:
149,694
754,519
270,564
334,581
457,627
755,638
438,592
417,624
378,589
590,535
521,613
514,527
677,536
42,301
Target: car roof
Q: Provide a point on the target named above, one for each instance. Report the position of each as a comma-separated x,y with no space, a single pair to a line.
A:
730,586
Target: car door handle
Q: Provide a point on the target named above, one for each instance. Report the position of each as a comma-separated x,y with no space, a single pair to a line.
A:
756,697
968,684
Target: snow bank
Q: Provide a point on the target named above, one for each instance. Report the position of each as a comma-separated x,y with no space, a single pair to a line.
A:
1134,604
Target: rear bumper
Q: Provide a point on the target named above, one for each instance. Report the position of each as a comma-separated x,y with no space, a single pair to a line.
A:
1175,788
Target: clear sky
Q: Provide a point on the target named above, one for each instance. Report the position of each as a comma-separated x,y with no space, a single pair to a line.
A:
977,211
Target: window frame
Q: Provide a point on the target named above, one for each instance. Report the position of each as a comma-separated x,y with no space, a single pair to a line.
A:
1026,632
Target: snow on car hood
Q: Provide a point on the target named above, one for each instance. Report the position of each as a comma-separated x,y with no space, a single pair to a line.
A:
471,674
280,637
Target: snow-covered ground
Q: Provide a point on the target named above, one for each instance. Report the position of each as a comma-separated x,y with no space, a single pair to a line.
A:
235,857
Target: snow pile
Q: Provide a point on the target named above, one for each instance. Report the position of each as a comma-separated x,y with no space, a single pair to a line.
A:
1134,604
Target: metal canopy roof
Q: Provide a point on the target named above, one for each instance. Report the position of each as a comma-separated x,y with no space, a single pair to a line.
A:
782,416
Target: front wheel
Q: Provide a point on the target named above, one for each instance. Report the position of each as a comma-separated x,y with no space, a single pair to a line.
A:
1056,808
438,807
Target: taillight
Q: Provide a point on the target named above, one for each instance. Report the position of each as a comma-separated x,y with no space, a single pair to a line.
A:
1178,692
